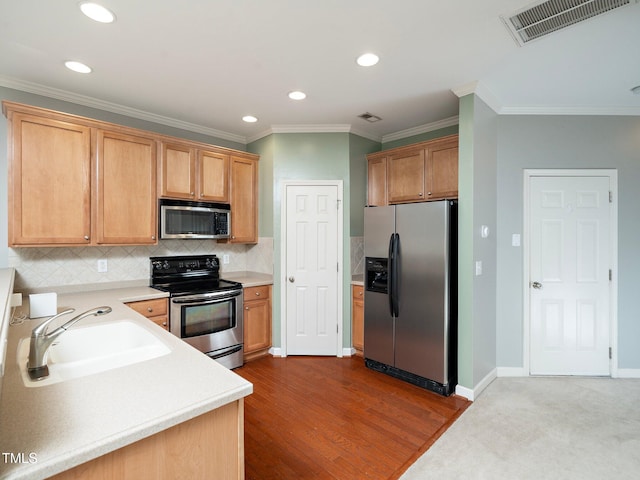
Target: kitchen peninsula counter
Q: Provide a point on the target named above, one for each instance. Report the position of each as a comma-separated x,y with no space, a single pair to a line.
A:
53,428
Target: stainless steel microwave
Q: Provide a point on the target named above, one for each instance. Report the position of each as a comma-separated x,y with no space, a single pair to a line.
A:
184,219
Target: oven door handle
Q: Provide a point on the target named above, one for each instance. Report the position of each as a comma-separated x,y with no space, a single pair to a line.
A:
206,299
225,352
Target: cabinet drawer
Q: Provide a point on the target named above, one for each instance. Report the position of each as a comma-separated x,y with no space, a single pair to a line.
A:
357,292
150,308
255,293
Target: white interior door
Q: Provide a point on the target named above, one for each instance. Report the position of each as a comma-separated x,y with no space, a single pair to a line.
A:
570,262
312,262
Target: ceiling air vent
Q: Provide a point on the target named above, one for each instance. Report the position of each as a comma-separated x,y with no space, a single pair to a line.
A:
369,117
546,17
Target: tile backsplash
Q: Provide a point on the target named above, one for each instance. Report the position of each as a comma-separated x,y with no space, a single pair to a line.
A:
60,266
38,268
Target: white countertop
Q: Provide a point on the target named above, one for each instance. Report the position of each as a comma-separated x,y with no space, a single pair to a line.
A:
248,279
69,423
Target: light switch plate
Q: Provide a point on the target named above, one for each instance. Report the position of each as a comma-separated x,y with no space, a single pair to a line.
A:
515,240
478,267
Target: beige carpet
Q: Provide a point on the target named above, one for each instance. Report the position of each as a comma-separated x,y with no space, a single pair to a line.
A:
542,428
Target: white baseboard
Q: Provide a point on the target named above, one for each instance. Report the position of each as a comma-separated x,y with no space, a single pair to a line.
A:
348,352
512,372
627,373
275,351
472,394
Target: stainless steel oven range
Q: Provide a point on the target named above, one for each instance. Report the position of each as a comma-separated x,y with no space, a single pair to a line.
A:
204,310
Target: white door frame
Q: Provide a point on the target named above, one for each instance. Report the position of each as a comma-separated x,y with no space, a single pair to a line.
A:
283,257
526,251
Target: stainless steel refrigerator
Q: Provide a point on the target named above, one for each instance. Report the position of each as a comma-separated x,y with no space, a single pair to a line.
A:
410,302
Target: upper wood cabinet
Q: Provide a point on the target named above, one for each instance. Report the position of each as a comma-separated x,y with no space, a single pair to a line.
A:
79,181
73,183
377,182
49,181
244,200
414,173
189,172
125,193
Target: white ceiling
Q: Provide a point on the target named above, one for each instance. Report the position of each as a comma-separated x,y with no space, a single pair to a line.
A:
209,62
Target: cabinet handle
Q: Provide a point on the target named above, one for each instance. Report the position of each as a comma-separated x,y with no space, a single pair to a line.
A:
192,194
86,237
149,309
420,194
153,237
360,293
164,324
246,308
257,294
428,193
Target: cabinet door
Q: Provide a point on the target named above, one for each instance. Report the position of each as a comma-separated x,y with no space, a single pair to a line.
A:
357,315
213,171
126,189
257,321
377,182
244,200
406,176
50,182
178,171
442,170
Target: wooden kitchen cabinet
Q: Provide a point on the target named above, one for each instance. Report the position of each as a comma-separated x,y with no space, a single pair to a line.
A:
377,182
73,182
257,321
244,200
125,193
357,318
156,310
193,173
414,173
208,446
442,169
49,180
406,176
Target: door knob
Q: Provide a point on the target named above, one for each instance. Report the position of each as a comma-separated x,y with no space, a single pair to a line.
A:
536,285
292,279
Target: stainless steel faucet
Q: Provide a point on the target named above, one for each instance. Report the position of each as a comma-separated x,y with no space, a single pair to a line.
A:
41,341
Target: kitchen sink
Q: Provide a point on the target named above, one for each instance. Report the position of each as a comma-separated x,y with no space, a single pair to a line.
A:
87,350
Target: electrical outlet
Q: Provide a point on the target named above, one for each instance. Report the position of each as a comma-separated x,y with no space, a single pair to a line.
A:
102,265
225,259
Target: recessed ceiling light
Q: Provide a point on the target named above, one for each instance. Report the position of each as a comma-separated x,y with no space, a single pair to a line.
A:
97,12
77,67
636,90
297,95
367,59
249,119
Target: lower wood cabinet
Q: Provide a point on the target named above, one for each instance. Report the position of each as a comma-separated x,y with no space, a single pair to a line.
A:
357,318
257,321
155,310
208,446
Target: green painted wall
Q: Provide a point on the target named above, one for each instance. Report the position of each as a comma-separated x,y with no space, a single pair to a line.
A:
304,156
465,244
264,147
359,147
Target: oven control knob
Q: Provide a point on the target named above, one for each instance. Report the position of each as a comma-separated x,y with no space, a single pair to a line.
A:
165,265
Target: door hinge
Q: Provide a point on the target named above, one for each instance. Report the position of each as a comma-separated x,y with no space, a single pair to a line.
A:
610,275
338,267
338,332
609,353
610,196
338,204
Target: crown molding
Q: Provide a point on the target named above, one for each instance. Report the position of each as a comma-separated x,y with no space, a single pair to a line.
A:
311,128
571,110
86,101
429,127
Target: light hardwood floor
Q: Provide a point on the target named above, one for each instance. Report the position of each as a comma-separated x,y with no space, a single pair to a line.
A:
332,418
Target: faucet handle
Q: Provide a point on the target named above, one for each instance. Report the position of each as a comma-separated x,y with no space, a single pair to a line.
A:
42,328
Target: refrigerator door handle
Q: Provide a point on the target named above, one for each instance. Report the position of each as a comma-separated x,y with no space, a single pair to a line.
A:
395,264
390,275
